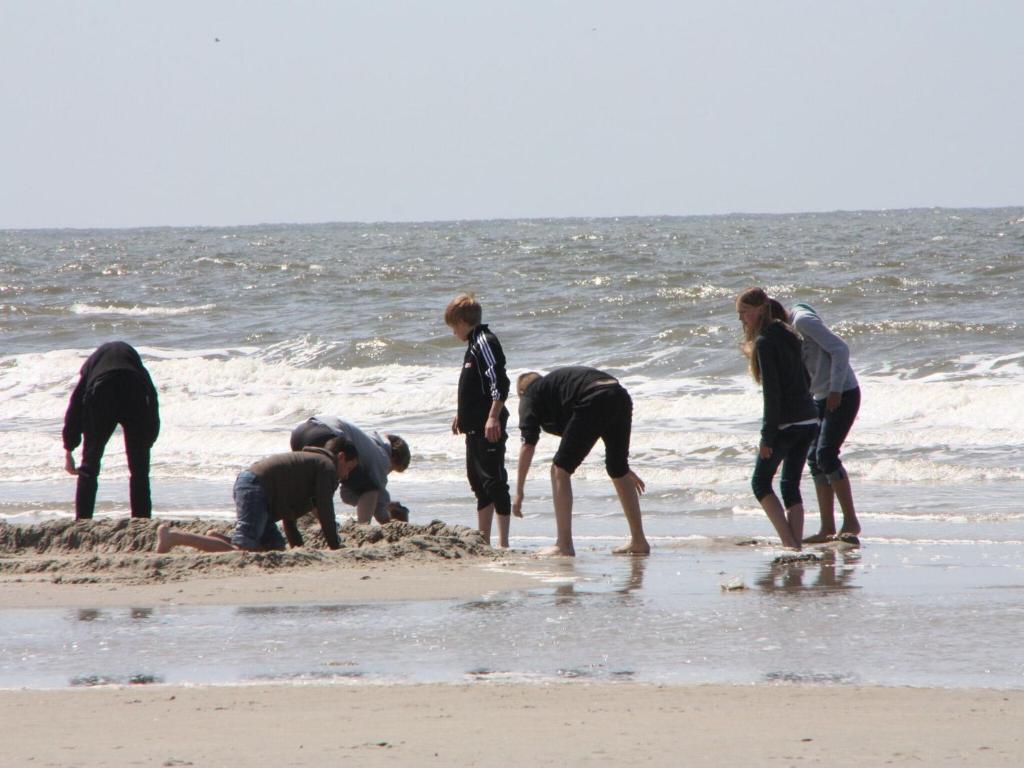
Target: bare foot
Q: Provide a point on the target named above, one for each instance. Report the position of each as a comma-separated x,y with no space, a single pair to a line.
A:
852,531
633,549
849,539
557,551
163,543
819,538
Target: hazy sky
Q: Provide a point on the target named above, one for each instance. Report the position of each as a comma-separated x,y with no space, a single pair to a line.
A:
133,113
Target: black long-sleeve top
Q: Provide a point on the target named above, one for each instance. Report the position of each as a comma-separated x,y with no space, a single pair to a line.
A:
114,356
482,382
549,401
787,399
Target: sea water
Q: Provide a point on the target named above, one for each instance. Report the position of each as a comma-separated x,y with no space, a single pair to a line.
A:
247,331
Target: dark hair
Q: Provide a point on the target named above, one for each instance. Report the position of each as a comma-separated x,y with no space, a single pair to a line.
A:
397,511
776,311
400,455
342,445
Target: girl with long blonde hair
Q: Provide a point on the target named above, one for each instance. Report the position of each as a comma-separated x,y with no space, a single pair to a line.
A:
789,421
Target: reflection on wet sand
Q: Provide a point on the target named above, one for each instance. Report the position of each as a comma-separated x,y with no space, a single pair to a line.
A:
92,614
296,610
579,583
831,569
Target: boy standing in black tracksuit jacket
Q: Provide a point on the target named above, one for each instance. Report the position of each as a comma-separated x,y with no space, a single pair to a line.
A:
482,416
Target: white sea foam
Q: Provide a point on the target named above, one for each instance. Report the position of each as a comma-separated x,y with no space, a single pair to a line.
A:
137,311
225,407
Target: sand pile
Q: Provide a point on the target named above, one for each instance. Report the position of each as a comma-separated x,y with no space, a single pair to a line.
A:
122,549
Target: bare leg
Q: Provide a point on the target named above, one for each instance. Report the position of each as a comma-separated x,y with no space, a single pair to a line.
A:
217,535
628,488
795,517
483,521
844,494
503,525
167,539
777,515
826,510
561,489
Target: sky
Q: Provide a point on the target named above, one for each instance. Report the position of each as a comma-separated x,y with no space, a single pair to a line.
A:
218,112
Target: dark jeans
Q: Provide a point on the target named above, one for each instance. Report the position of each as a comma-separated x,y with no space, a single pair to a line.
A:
253,527
789,450
485,468
823,455
116,399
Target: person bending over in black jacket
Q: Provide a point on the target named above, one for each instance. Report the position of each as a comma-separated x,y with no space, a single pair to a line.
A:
114,388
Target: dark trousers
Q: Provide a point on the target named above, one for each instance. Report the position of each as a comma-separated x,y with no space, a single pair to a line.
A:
823,455
789,450
485,468
116,399
604,412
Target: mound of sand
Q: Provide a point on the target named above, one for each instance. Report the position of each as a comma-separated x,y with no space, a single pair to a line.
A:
123,549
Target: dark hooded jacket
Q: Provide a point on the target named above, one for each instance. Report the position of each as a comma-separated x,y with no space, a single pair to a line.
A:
787,399
115,358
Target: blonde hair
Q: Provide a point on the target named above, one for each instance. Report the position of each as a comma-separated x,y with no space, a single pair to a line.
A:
465,308
525,380
754,297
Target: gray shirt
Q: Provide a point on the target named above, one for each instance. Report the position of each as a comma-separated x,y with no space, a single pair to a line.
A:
374,464
825,355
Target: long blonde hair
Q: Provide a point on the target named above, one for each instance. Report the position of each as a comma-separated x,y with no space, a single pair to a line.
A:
771,311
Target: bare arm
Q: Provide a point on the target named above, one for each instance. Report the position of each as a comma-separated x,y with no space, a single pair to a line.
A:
492,429
526,452
366,505
291,532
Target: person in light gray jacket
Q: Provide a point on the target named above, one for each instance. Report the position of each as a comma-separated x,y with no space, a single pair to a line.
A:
836,393
366,488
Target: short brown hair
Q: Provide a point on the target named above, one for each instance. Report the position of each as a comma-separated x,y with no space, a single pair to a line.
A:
463,307
400,454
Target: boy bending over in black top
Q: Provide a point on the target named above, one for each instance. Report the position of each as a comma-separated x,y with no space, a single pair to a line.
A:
580,404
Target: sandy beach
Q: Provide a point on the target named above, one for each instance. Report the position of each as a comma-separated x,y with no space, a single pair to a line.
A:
110,563
482,723
498,725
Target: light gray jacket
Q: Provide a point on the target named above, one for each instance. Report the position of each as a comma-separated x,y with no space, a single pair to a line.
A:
825,355
374,464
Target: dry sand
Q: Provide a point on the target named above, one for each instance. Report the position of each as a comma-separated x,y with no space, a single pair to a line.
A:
475,724
484,724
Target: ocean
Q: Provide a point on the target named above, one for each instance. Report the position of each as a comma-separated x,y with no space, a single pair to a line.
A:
249,330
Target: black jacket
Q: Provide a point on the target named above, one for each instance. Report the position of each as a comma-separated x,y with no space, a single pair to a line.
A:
482,381
787,399
549,401
110,358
